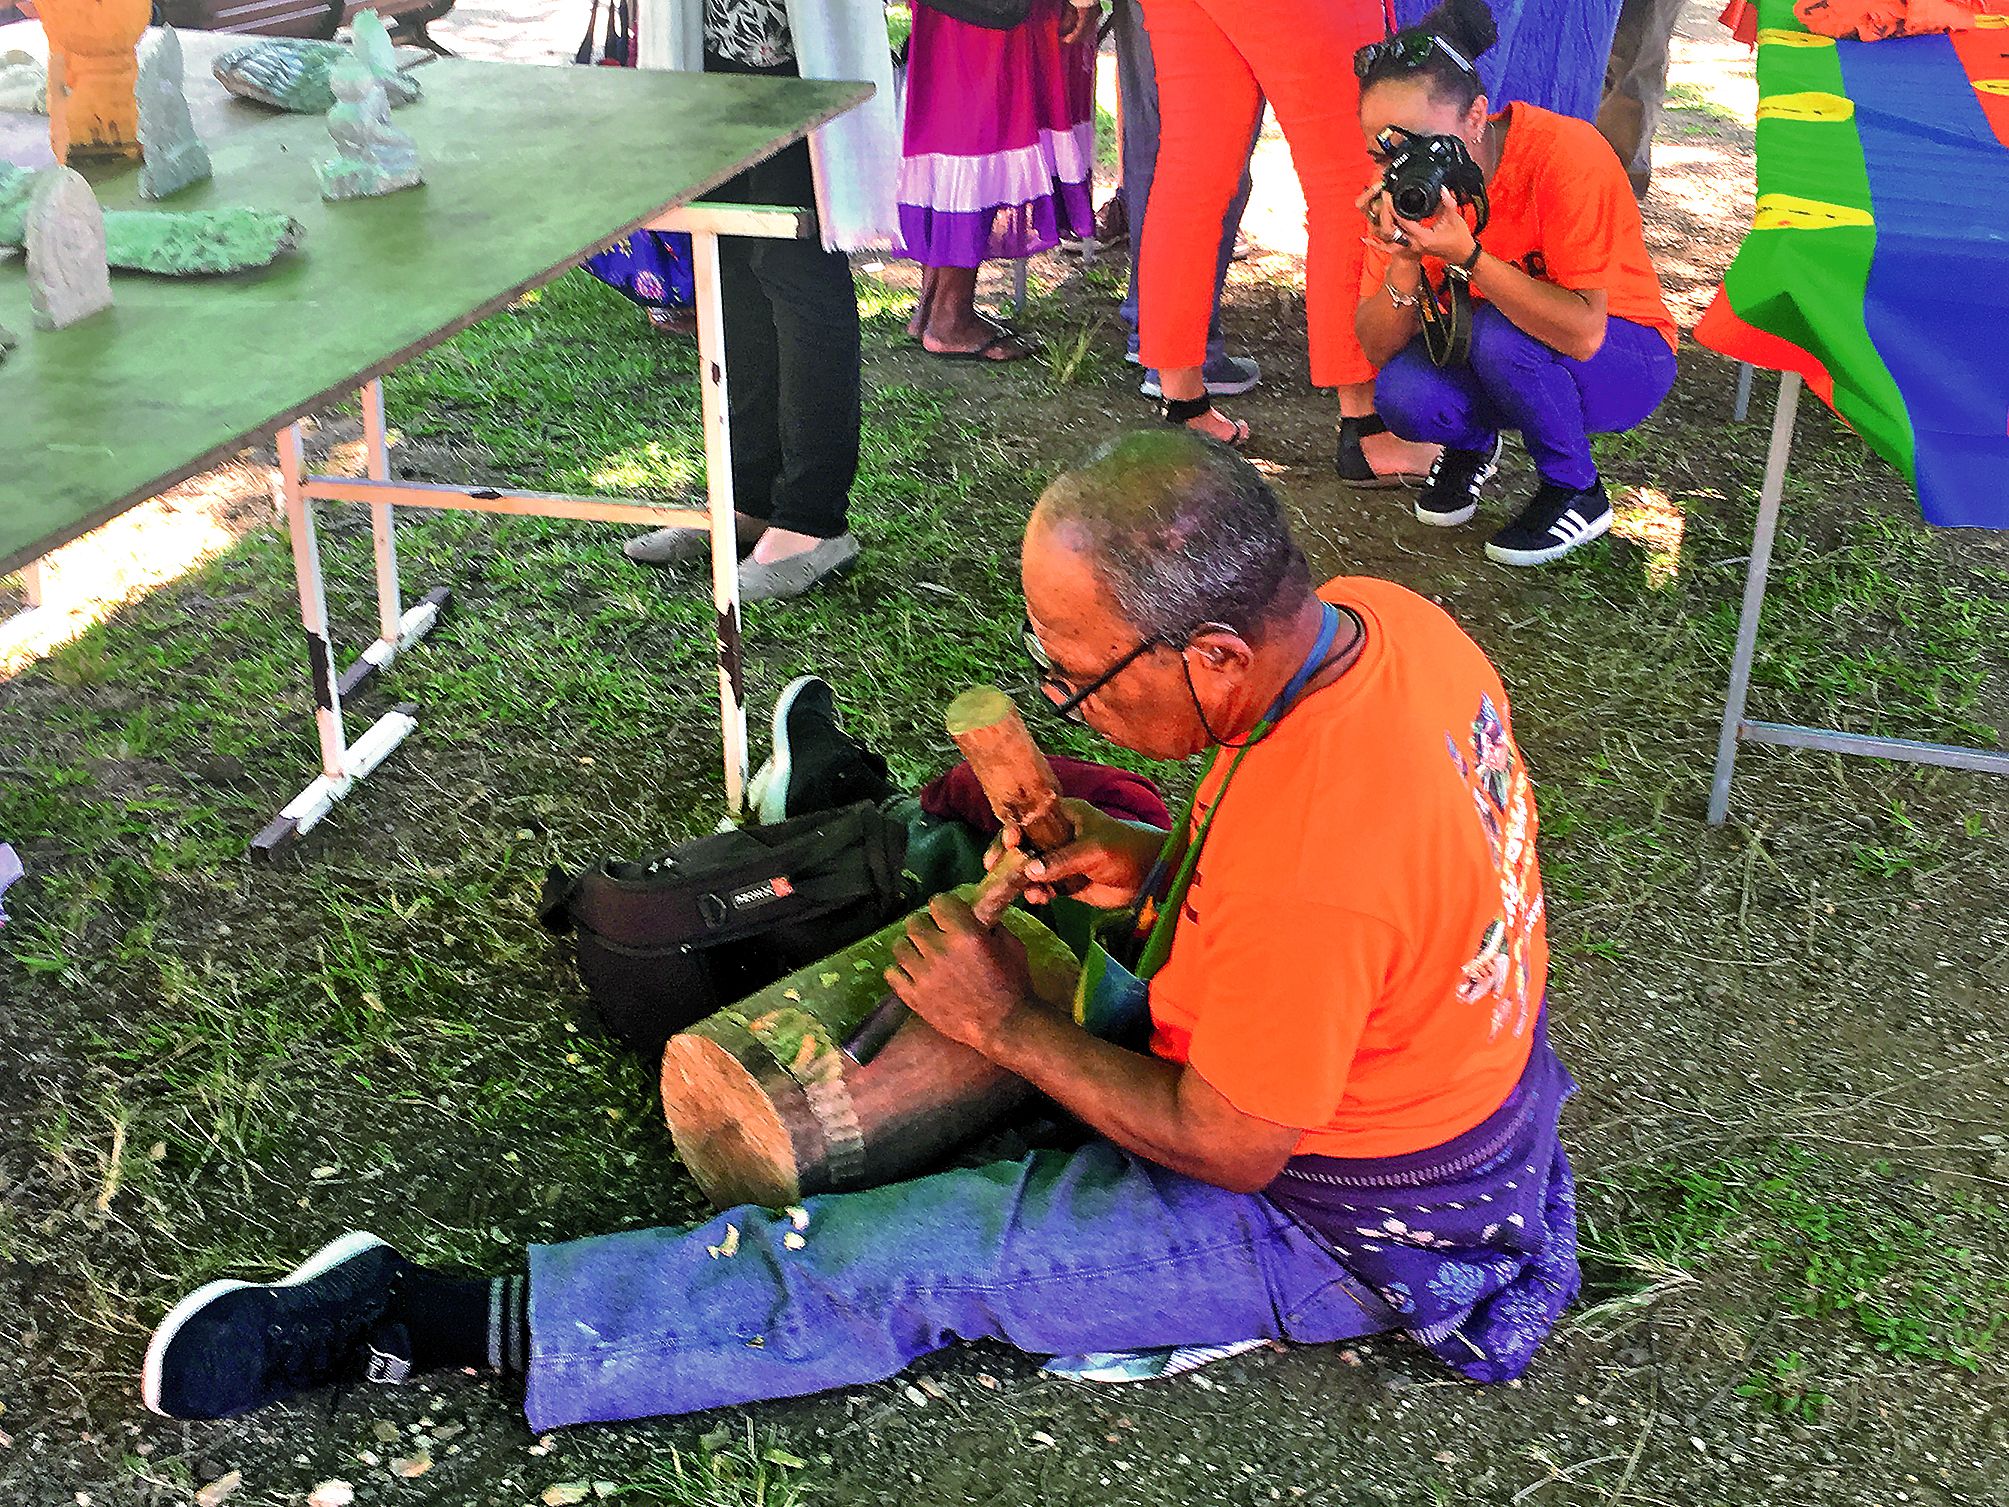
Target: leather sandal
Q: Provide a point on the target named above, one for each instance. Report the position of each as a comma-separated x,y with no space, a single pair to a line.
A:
1351,461
1182,412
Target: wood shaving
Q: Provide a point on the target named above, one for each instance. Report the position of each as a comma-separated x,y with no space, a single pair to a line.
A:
218,1489
727,1246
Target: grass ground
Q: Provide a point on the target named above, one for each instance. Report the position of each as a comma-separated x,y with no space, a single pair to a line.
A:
1789,1031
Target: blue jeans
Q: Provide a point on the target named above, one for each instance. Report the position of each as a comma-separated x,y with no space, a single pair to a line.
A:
1137,84
1514,381
1059,1253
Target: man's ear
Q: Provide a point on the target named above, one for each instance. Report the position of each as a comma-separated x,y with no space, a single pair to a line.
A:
1219,648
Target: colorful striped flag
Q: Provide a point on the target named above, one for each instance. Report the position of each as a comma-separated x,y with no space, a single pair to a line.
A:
1877,265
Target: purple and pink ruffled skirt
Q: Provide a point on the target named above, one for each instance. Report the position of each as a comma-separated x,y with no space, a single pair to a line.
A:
999,156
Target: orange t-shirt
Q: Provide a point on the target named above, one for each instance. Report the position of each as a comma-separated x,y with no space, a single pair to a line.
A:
1562,211
1362,953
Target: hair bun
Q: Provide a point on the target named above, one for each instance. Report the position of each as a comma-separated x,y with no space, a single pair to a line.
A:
1466,24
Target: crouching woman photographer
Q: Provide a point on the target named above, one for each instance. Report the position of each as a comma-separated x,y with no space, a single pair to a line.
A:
1508,285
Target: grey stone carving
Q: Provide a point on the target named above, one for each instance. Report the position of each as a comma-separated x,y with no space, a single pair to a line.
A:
289,73
174,156
68,279
372,156
24,83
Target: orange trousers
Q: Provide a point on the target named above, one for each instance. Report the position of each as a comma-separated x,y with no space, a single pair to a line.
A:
1217,60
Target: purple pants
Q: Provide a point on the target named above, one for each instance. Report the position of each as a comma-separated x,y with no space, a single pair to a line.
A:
1514,381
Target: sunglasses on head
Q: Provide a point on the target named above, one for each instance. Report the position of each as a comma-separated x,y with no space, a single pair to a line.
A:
1407,50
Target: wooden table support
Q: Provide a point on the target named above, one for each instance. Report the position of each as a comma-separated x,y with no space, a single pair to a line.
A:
344,765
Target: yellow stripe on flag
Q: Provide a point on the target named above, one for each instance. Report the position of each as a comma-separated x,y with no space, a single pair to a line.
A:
1812,105
1778,36
1791,212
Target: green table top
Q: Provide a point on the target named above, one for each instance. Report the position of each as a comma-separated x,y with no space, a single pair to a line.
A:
530,169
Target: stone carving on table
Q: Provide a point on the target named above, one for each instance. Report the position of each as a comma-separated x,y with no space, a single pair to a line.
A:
169,243
68,279
290,74
197,242
372,156
24,83
174,155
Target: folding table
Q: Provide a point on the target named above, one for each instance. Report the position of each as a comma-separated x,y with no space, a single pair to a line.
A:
529,170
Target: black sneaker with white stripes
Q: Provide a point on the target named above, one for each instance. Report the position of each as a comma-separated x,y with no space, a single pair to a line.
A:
234,1346
1557,520
1450,493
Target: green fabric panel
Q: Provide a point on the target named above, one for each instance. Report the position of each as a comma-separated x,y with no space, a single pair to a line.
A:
1807,286
529,169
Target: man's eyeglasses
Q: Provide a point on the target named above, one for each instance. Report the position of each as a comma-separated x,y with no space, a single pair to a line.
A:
1067,701
1408,51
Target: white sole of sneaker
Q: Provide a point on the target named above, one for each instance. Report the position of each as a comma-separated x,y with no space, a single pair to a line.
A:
331,1255
771,801
1501,555
1465,515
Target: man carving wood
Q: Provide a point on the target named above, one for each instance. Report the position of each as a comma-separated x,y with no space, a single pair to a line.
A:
1346,1119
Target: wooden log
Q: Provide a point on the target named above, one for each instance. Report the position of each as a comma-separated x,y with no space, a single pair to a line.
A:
766,1107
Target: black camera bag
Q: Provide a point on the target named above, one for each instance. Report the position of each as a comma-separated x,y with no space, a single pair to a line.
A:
663,942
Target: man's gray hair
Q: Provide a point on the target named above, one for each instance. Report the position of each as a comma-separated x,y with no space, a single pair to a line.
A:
1182,531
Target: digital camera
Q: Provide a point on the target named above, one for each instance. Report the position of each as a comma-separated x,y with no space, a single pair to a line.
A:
1419,168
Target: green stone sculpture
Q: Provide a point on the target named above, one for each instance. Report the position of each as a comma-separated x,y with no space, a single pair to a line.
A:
372,156
168,243
174,156
289,73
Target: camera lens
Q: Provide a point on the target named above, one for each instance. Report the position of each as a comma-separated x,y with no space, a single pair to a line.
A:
1418,200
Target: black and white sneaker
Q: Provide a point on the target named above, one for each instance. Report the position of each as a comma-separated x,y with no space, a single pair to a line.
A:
1557,520
1450,492
231,1347
816,765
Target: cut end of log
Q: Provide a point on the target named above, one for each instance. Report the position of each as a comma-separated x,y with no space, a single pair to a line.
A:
979,707
727,1129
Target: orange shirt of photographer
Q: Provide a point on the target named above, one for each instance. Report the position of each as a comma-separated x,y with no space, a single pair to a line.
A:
1562,211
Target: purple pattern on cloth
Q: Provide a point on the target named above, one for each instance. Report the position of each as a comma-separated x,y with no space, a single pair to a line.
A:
1473,1242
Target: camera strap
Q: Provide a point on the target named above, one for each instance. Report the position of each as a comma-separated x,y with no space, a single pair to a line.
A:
1447,325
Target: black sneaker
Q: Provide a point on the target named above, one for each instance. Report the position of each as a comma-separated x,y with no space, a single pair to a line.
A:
230,1347
816,765
1450,494
1557,520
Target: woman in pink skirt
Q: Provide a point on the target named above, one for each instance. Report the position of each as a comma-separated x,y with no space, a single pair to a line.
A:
999,159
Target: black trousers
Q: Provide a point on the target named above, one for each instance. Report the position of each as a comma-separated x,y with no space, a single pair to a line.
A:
792,354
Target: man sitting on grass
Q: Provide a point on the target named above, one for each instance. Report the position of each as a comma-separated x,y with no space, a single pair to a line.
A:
1346,1119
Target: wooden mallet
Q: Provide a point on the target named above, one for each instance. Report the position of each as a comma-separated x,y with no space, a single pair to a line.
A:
1023,793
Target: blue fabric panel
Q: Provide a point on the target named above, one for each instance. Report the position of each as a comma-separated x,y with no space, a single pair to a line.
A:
1937,301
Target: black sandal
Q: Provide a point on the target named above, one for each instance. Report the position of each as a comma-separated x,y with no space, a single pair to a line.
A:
1182,411
1351,461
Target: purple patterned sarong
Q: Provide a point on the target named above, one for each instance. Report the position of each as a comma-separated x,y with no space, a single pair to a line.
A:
1473,1242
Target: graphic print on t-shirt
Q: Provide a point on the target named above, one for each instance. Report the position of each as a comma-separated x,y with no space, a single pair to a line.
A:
1503,801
